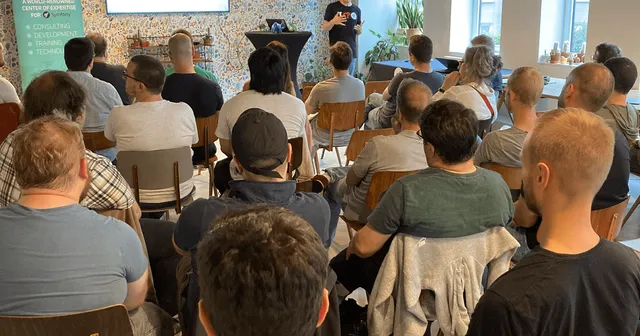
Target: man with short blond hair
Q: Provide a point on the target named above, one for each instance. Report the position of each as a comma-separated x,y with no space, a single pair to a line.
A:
503,147
574,275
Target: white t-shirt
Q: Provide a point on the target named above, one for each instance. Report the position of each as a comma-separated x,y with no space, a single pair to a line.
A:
467,96
8,93
153,126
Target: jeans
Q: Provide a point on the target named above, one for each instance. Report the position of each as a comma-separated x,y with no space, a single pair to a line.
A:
352,67
359,272
333,194
372,110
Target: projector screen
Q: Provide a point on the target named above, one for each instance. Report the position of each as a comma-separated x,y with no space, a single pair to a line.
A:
166,6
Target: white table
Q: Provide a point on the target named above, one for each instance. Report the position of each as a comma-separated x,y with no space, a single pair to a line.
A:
554,88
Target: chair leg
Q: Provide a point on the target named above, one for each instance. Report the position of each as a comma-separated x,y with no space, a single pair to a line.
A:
633,208
315,158
338,155
322,157
210,180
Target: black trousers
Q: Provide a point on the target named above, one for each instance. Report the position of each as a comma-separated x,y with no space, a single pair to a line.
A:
222,175
359,272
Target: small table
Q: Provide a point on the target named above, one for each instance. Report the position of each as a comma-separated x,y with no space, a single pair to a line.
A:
381,71
554,89
295,41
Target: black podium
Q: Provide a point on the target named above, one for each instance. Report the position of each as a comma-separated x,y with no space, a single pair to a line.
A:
295,41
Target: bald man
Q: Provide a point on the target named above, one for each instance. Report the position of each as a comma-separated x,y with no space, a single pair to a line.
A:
186,86
575,283
200,71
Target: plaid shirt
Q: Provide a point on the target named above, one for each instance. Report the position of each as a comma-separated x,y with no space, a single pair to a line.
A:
108,189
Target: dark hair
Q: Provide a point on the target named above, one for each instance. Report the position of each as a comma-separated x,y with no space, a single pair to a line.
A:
78,53
594,84
99,43
54,92
183,31
150,72
421,47
624,72
341,55
413,97
282,49
451,129
605,51
267,70
262,271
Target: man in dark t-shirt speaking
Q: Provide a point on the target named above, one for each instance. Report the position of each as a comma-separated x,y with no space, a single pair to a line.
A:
343,21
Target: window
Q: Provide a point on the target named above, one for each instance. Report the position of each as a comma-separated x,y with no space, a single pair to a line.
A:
579,21
470,18
561,21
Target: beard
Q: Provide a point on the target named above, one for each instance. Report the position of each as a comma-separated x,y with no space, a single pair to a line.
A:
530,201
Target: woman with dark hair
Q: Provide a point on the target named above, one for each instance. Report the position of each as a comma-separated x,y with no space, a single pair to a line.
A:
283,51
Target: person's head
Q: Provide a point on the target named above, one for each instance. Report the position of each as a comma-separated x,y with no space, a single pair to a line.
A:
260,146
49,154
144,76
588,87
624,73
566,158
340,56
180,48
262,271
524,88
413,98
479,64
420,49
54,93
99,43
78,54
449,131
283,51
183,31
2,62
267,70
605,51
484,40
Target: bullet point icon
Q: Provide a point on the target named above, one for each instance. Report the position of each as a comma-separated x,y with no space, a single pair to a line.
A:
28,27
28,35
29,44
30,52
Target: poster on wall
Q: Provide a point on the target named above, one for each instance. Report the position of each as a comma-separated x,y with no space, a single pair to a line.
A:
42,29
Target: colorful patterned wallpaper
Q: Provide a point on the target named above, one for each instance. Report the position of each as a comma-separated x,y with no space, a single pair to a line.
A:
231,49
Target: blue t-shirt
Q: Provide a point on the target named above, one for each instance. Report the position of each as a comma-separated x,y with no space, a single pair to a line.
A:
65,260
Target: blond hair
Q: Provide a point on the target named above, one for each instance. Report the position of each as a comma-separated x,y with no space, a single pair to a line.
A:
180,46
47,153
527,83
578,147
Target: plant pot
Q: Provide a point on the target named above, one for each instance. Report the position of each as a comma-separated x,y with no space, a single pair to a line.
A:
207,41
413,31
555,59
403,52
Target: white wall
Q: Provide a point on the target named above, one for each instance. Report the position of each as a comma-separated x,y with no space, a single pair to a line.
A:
379,18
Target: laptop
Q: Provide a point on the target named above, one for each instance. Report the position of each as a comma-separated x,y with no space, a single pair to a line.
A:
270,23
451,64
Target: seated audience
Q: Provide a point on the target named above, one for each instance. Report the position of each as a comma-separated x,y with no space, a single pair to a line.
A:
451,198
8,93
262,154
347,187
263,272
151,123
341,88
478,66
503,147
203,95
381,108
102,97
200,71
487,41
56,93
605,51
266,92
284,53
74,260
574,283
109,73
621,116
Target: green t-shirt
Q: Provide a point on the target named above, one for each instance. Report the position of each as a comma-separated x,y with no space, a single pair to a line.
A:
200,71
434,203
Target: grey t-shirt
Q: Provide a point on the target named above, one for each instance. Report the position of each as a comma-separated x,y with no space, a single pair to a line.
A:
433,80
65,260
502,147
435,203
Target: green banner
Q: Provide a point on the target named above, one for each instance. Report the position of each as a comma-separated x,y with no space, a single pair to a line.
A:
42,29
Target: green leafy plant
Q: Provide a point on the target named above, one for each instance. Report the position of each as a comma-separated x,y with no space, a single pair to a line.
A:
384,50
317,72
410,13
359,75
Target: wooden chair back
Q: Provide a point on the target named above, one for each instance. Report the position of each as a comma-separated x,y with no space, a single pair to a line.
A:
607,222
484,127
380,182
338,117
306,92
207,130
108,321
359,139
296,154
512,176
96,141
375,87
9,119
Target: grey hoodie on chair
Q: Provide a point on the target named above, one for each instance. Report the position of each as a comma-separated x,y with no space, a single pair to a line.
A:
621,118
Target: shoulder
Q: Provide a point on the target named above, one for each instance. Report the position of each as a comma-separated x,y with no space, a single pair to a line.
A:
6,83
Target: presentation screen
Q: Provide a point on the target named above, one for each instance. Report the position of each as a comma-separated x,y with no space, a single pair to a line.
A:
166,6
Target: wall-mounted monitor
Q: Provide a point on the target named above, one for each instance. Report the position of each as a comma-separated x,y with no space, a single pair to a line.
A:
166,6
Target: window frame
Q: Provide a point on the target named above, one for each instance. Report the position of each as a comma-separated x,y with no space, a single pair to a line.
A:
569,21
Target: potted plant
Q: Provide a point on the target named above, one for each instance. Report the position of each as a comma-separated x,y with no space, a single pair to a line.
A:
384,50
316,74
410,16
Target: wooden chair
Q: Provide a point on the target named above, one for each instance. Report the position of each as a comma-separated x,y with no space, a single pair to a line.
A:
207,136
96,141
306,92
9,119
154,170
380,182
607,222
359,139
296,155
337,117
375,87
512,176
108,321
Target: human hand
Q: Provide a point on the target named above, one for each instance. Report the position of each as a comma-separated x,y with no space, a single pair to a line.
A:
339,20
358,28
452,79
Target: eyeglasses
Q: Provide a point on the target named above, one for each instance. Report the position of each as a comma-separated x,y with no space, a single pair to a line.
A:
125,76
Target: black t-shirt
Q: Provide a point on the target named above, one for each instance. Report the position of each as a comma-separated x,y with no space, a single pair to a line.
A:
201,94
616,187
112,74
594,293
347,32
